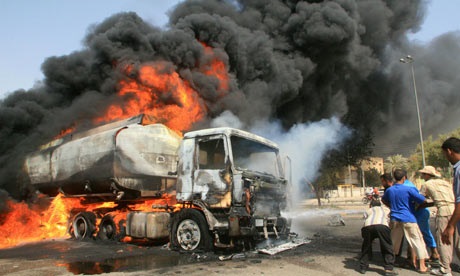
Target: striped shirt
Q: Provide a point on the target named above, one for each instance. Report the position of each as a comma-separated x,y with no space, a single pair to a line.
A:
377,215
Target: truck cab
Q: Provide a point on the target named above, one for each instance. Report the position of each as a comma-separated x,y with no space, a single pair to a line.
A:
235,183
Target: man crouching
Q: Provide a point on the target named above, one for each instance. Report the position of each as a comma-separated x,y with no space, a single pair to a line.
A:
376,226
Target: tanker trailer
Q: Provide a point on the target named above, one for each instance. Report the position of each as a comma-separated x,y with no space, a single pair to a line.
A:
125,160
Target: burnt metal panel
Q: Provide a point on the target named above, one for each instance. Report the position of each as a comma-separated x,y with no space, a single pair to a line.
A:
185,168
131,157
152,225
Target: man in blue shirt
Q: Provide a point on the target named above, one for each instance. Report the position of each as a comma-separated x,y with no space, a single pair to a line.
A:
399,198
451,150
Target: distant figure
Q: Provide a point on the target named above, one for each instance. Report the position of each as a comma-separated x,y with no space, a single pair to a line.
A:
327,196
375,192
440,191
376,226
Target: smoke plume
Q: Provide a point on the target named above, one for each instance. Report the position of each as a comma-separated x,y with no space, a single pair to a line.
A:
293,62
305,145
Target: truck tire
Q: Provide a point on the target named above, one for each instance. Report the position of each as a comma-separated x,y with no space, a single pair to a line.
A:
190,231
284,229
107,229
84,225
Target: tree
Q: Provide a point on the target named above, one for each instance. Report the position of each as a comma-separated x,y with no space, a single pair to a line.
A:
395,162
433,154
372,177
327,180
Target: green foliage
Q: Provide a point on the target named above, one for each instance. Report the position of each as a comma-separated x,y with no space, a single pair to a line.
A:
396,161
327,180
372,178
434,155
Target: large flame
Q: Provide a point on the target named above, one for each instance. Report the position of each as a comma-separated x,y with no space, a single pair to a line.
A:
153,88
24,223
27,224
159,91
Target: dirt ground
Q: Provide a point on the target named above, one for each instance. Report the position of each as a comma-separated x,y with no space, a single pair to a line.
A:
333,249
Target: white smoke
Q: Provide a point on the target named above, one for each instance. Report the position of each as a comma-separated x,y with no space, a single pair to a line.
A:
306,145
225,119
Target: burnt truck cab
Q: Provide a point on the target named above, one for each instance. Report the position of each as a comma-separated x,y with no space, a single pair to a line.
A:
234,182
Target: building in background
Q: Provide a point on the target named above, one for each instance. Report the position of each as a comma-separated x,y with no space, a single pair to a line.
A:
352,181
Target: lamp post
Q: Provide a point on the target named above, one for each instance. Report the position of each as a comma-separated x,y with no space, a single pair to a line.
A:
410,60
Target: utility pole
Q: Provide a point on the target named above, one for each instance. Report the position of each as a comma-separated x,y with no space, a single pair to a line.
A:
408,59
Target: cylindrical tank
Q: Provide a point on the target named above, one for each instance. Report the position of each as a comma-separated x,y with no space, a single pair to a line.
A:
131,158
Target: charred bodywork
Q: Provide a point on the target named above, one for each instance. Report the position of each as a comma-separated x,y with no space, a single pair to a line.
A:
127,159
229,184
237,179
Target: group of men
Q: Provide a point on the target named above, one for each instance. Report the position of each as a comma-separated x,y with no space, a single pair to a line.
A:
407,217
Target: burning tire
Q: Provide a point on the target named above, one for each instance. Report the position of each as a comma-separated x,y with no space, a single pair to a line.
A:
108,229
190,231
84,225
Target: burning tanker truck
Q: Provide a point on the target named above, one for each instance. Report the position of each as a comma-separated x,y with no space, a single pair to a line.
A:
226,187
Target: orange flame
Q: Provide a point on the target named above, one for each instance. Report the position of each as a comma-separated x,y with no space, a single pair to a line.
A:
157,90
64,132
30,224
216,68
23,224
161,92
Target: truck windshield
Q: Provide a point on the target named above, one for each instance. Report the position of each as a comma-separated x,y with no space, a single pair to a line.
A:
253,156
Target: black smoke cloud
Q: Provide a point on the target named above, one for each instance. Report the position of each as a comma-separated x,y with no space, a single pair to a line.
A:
290,61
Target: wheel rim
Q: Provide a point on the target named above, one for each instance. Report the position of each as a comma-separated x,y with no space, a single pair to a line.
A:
80,227
108,229
188,234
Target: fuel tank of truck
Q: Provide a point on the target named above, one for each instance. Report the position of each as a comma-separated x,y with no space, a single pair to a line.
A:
129,158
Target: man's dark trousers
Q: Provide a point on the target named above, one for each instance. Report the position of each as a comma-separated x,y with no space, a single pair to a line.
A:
383,233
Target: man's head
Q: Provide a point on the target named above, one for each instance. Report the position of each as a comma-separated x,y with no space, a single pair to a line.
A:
429,172
451,149
386,179
400,175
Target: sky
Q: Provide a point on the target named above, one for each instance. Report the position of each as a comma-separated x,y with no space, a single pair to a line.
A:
32,31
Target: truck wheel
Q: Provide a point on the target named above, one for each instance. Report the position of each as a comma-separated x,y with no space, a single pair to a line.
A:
190,231
83,225
107,228
284,228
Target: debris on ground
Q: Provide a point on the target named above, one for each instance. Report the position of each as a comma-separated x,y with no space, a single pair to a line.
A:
198,257
336,220
284,246
232,256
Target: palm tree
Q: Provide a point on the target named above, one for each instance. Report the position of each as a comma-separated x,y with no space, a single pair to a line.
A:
396,161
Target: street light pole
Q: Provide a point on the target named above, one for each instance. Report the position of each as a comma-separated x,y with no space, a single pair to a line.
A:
410,60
